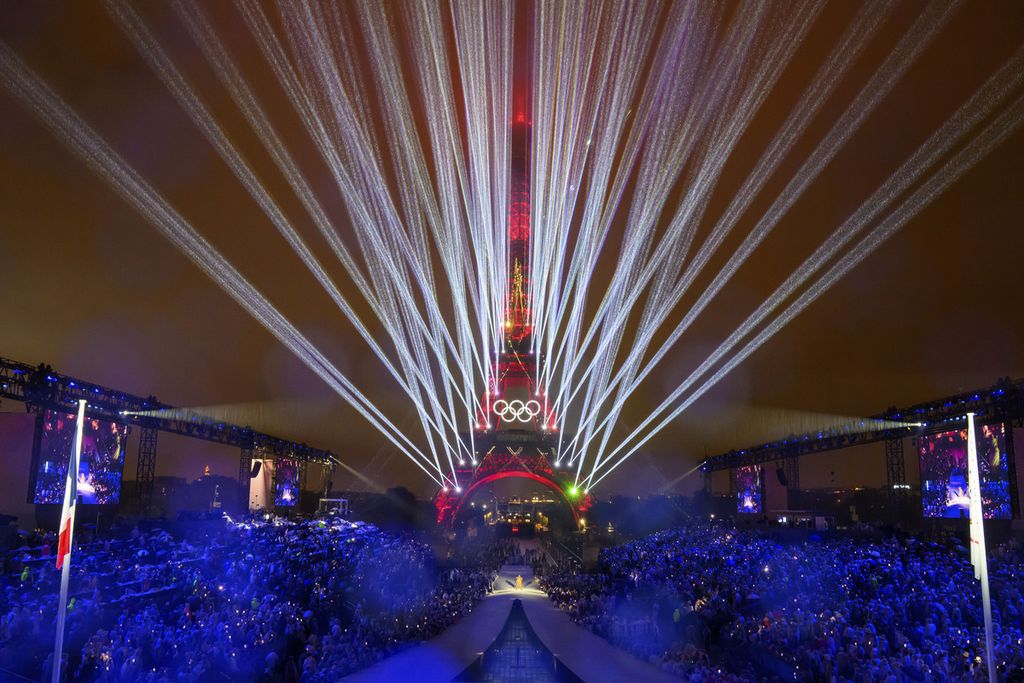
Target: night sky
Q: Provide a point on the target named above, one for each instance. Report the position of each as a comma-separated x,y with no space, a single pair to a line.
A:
89,287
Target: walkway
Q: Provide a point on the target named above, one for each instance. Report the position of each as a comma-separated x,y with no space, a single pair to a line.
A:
443,658
517,655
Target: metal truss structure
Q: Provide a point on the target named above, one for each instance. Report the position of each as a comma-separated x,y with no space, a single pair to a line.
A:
41,388
895,465
1002,402
145,468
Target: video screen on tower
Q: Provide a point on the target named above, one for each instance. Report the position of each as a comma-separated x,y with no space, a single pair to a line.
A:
286,483
99,469
748,489
943,457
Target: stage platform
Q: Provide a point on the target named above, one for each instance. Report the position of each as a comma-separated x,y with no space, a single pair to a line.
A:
443,658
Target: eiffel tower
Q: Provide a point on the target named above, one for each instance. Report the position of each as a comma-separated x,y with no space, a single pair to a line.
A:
517,433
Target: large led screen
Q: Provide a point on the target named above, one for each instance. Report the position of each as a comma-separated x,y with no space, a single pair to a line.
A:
943,457
748,489
286,483
100,467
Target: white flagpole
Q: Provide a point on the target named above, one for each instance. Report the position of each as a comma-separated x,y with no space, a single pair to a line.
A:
70,493
979,557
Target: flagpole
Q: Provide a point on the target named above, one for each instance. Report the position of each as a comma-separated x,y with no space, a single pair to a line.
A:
979,556
70,494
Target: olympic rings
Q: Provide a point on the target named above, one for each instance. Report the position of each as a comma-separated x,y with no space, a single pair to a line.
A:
515,410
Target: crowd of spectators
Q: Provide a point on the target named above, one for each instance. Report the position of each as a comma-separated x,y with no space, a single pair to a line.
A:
711,602
259,599
271,599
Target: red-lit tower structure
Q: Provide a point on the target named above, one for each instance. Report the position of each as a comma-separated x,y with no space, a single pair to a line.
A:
516,434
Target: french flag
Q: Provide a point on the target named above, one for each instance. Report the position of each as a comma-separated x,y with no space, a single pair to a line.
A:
67,516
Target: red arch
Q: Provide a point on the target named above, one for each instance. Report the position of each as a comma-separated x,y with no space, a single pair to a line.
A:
514,473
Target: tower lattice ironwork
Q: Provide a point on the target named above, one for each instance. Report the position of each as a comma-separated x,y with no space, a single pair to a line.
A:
516,432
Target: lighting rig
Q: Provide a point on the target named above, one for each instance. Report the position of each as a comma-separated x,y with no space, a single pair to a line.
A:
41,388
1001,402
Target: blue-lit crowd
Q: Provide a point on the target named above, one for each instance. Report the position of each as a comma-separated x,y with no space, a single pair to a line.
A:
259,599
710,602
266,599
